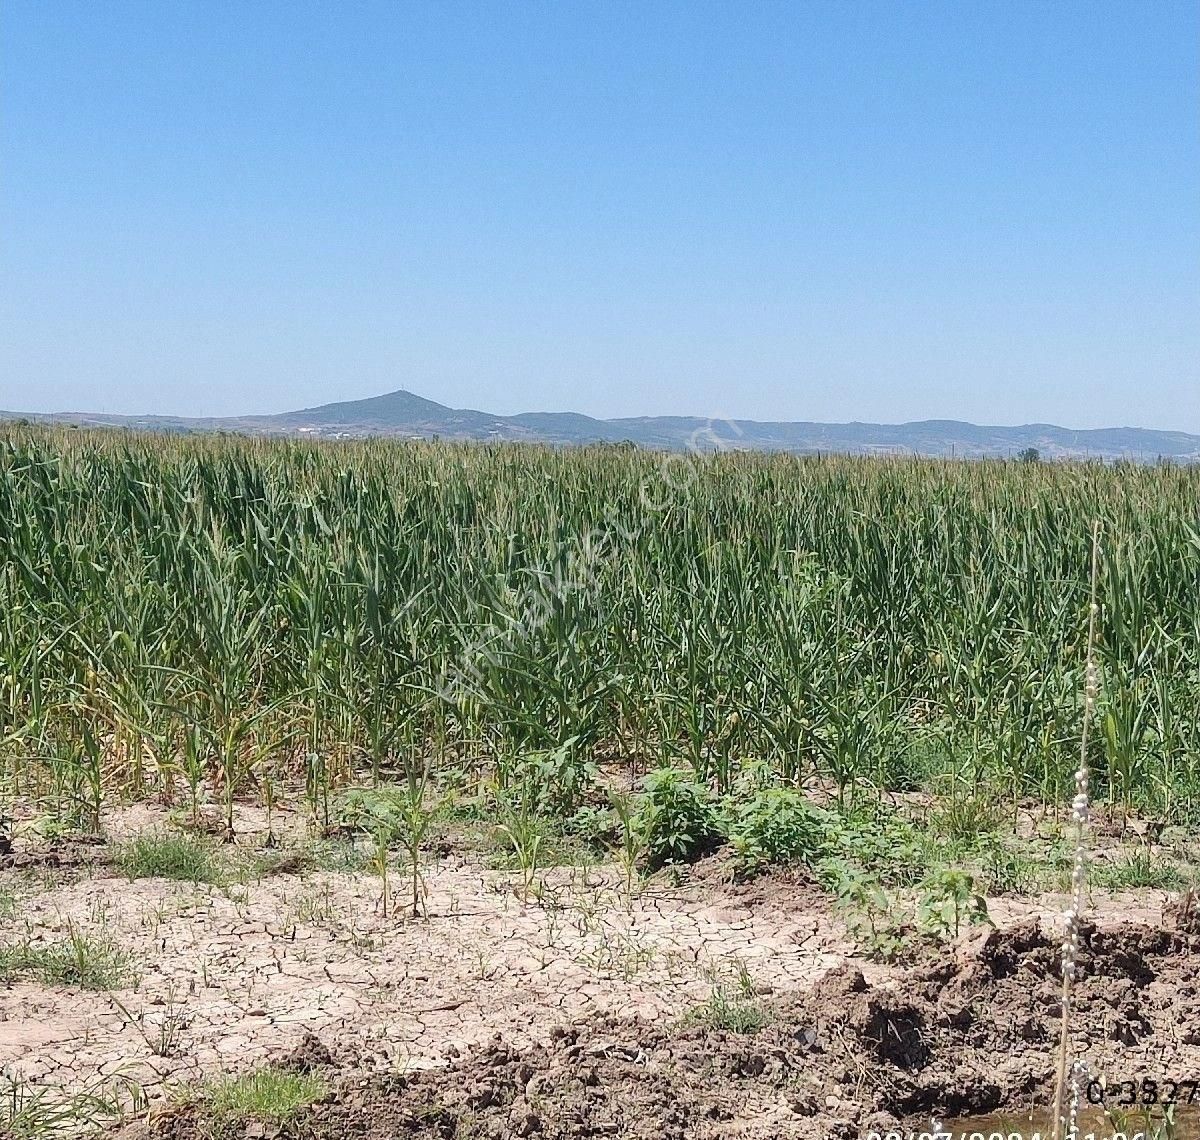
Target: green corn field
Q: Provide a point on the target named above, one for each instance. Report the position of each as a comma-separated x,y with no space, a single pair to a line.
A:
245,614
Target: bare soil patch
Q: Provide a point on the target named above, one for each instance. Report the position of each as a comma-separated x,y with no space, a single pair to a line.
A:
229,978
576,1010
966,1035
66,854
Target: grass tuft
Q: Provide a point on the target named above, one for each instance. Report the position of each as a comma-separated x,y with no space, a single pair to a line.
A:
338,856
732,1006
732,1014
1138,869
37,1112
269,1095
163,856
79,960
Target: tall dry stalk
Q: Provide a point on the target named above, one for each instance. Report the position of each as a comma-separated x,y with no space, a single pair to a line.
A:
1066,1112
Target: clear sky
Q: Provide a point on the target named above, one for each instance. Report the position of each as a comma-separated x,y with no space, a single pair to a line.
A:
874,210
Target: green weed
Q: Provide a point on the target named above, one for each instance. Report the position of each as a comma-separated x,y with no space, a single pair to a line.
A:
159,855
80,960
776,825
41,1112
678,817
1138,869
732,1006
270,1095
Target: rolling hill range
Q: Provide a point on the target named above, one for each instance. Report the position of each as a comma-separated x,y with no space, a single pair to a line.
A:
403,414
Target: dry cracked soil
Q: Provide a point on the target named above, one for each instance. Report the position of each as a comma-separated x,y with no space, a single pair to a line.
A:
578,1010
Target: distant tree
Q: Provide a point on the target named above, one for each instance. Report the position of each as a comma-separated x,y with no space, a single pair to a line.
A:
1030,455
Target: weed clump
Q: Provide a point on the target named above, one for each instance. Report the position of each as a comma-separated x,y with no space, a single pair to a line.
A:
270,1095
732,1006
776,825
35,1112
1138,869
80,960
678,818
183,858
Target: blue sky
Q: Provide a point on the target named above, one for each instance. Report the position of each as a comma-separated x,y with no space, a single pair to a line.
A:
839,210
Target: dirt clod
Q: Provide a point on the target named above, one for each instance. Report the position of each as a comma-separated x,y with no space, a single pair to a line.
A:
309,1055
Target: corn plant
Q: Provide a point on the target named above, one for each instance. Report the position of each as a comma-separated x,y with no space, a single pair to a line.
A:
213,611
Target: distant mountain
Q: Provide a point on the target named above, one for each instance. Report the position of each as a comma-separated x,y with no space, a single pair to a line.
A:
396,410
405,415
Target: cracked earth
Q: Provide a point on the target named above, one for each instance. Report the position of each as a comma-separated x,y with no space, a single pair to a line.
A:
451,1012
227,978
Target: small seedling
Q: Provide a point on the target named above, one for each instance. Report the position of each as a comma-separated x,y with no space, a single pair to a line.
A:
162,1033
732,1005
633,839
379,863
950,900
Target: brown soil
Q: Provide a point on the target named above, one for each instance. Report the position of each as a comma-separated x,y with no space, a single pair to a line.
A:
66,853
776,888
964,1034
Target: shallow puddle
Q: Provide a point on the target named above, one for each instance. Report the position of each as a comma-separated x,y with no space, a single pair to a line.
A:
1152,1123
